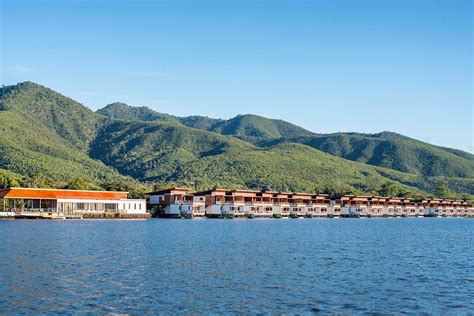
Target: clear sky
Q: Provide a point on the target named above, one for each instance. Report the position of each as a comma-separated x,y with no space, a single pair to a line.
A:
366,66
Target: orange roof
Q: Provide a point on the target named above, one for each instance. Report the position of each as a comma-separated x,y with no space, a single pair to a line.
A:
27,193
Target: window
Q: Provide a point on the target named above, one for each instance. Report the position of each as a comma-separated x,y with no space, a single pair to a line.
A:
110,206
80,206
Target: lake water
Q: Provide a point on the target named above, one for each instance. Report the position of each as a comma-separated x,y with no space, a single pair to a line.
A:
346,266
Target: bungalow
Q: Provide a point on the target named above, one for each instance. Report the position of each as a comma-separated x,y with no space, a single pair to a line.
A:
300,203
281,204
239,203
167,202
334,208
432,207
320,204
214,200
376,206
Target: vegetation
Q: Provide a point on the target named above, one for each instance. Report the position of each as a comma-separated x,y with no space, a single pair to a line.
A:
392,151
49,140
122,111
385,149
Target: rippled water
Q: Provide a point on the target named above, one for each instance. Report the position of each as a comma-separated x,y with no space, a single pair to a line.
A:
422,265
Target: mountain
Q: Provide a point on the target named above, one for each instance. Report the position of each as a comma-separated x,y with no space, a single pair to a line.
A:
42,131
254,126
392,151
242,126
385,149
123,111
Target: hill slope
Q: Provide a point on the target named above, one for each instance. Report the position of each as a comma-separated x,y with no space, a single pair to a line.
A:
386,149
123,111
62,116
33,138
392,151
242,126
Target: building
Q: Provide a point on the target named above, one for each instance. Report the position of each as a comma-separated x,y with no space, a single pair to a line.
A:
175,202
281,204
59,203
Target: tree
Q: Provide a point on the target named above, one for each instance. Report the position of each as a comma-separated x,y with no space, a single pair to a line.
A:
37,180
8,181
337,189
442,190
79,183
389,189
418,196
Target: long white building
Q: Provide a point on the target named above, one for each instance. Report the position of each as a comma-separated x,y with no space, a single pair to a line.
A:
58,203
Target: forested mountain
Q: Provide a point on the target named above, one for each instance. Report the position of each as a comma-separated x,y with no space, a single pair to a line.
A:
390,150
385,149
244,126
44,132
123,111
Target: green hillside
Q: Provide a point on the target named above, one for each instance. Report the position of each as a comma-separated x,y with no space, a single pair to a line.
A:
29,147
45,108
258,127
123,111
43,133
386,149
153,150
392,151
243,126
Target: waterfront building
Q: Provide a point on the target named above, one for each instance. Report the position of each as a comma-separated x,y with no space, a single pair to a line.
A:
376,206
60,203
213,201
192,207
334,208
431,207
408,208
299,203
167,202
281,204
354,206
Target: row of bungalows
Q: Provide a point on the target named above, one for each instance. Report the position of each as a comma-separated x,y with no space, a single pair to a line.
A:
378,206
225,203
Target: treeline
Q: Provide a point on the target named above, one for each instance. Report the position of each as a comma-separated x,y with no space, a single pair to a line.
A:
138,189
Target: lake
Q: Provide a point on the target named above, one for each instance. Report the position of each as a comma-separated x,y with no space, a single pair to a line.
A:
347,266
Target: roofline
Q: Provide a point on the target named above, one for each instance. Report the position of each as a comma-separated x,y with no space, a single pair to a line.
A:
207,191
170,189
67,190
245,191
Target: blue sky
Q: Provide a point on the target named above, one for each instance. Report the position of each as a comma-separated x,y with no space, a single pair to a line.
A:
329,66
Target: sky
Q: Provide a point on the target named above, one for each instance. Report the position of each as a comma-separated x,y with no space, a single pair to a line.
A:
363,66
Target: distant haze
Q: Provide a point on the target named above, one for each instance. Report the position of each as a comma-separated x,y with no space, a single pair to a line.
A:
328,66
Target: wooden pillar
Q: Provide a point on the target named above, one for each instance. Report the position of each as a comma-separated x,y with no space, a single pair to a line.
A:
40,205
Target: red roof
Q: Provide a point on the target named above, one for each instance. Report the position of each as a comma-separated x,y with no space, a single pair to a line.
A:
27,193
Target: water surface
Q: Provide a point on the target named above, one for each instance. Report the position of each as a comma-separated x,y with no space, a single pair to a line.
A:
421,265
